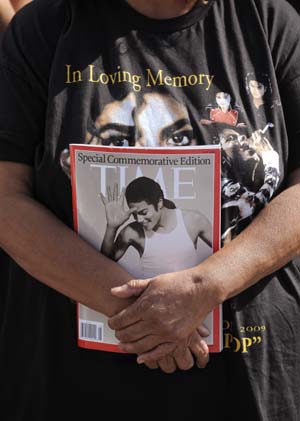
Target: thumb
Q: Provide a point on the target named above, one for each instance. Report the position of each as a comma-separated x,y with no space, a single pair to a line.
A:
133,288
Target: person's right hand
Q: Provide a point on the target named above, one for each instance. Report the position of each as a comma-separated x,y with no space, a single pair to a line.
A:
114,204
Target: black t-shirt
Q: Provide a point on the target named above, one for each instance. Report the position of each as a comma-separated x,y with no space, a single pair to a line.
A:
99,72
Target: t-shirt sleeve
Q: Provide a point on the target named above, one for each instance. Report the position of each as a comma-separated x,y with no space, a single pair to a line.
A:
290,96
27,49
282,26
22,116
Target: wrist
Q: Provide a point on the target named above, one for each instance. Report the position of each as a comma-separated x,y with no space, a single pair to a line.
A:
207,280
231,270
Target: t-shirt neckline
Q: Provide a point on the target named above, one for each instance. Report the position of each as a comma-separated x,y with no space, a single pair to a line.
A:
140,21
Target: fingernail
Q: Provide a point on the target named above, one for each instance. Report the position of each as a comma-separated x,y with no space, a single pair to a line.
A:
140,360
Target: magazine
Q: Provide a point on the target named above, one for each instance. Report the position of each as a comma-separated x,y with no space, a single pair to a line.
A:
153,211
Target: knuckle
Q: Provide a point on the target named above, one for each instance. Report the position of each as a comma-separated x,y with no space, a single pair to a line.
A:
144,304
167,348
133,283
178,334
157,354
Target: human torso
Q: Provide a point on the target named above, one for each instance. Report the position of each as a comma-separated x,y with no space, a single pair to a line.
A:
124,77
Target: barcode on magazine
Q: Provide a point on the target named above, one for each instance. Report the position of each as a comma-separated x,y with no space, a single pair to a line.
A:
92,331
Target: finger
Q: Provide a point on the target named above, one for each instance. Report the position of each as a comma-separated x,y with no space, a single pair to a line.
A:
133,288
152,365
103,198
143,344
167,364
131,314
202,357
131,333
116,191
157,353
183,357
122,197
126,317
203,331
200,349
108,194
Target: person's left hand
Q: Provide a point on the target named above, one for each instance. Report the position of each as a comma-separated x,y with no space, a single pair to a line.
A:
185,354
169,310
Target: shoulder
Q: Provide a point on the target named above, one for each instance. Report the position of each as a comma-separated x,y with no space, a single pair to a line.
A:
279,23
41,18
282,27
271,14
194,218
269,5
277,15
31,37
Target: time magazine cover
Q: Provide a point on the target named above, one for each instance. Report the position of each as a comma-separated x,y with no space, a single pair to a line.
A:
152,211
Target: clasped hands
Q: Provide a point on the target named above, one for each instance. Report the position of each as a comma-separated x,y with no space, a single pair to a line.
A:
164,325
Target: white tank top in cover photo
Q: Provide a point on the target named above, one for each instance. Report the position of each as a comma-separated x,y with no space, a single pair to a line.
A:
171,251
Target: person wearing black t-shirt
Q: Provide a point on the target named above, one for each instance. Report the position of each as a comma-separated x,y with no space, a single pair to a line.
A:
64,66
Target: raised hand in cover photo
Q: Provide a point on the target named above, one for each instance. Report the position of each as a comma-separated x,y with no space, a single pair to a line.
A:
165,237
